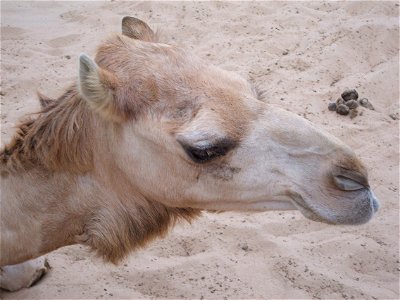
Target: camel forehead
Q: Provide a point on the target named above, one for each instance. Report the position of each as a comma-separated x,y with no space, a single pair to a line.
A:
178,84
166,65
130,58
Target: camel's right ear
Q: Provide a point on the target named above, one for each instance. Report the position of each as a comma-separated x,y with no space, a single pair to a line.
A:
97,86
137,29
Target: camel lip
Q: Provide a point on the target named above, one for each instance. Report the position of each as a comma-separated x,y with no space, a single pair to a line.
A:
309,213
301,205
298,201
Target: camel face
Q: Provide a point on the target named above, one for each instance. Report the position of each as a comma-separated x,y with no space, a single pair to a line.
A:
193,135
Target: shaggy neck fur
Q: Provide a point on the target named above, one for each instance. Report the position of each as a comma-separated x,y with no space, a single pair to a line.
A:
58,139
57,190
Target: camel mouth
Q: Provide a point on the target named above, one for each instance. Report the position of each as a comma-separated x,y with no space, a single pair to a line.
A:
369,208
299,202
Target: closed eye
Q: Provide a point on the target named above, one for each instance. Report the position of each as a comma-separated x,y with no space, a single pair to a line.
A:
205,153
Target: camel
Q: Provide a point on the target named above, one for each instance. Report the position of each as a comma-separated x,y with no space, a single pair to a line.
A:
151,134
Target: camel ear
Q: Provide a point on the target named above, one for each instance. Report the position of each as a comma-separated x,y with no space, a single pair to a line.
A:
137,29
97,86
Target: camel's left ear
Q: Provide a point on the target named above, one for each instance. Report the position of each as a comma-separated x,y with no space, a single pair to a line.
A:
97,86
137,29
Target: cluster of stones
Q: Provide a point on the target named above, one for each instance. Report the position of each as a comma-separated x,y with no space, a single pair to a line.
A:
348,102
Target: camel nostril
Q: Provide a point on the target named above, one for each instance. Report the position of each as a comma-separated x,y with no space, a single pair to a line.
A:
349,180
347,184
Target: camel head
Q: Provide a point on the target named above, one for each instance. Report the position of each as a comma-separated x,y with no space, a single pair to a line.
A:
188,134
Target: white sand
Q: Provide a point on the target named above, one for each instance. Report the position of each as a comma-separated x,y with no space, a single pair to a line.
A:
330,46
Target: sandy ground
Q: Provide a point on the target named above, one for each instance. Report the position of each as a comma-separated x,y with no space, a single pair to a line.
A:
303,54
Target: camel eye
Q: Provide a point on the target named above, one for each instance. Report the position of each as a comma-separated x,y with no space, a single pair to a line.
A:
205,153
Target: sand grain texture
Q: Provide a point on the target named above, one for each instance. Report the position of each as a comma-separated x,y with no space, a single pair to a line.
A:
304,55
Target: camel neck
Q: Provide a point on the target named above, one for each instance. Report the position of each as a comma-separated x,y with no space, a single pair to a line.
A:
40,212
43,210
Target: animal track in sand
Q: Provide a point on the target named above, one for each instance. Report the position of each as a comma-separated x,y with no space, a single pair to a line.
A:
11,33
210,279
185,246
73,16
310,279
64,41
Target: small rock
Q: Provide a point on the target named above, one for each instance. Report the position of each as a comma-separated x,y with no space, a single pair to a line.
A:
394,116
332,106
352,104
342,109
349,95
68,56
339,101
365,103
285,52
353,113
245,247
2,93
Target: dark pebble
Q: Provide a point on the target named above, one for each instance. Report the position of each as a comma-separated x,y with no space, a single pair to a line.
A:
394,116
339,101
349,95
352,104
342,109
365,103
353,113
68,56
332,106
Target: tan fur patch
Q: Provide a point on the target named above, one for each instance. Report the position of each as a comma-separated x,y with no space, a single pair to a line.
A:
57,139
113,234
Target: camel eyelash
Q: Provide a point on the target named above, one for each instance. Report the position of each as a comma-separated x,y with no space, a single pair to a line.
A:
203,154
